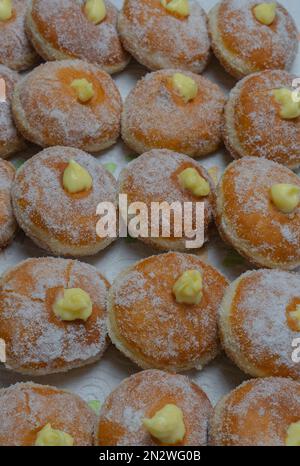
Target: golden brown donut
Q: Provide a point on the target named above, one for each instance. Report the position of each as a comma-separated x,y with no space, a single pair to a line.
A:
25,408
253,125
37,341
16,51
10,140
256,322
257,413
8,224
244,45
153,177
150,327
160,39
249,221
56,220
140,396
60,30
155,117
47,111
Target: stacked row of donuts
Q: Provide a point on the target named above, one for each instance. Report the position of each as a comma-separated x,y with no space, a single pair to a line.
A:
160,320
64,220
49,107
170,312
259,412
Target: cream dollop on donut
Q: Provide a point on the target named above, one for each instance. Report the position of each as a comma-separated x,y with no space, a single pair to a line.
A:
58,221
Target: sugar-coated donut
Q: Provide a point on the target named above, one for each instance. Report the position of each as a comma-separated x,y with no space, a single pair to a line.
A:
25,408
37,341
47,111
244,45
10,140
150,327
249,221
253,125
8,224
140,396
160,39
256,322
256,413
60,30
153,177
16,51
56,220
155,117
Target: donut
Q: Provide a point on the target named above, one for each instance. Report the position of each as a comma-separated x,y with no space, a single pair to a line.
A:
60,30
38,340
248,219
62,222
159,39
156,117
49,110
16,52
141,396
26,408
8,224
151,326
10,140
259,412
258,322
253,125
154,177
244,44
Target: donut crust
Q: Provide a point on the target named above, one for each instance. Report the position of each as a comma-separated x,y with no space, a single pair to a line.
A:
248,220
140,396
47,112
11,140
155,117
235,33
8,224
158,39
25,408
253,126
57,221
147,324
16,50
38,342
256,413
153,177
61,31
253,322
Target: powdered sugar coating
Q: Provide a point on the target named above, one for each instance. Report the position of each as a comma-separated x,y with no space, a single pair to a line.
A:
58,221
140,396
25,408
244,45
153,177
60,29
8,223
150,327
159,39
16,51
48,113
155,117
253,126
255,329
38,342
10,140
257,413
248,219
